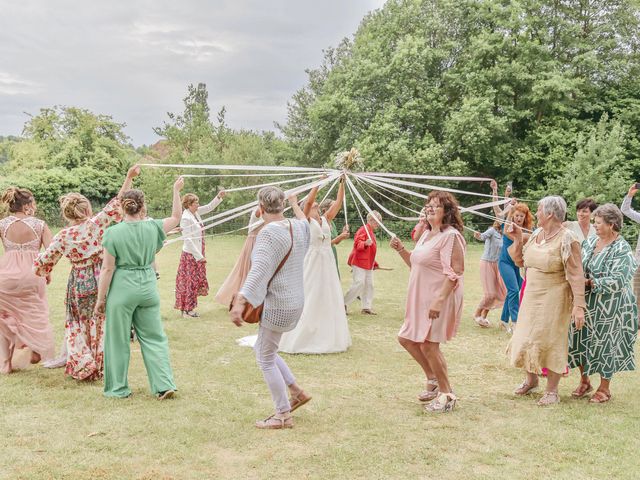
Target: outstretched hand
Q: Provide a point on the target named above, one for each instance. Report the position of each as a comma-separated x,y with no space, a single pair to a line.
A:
632,190
221,194
179,185
134,171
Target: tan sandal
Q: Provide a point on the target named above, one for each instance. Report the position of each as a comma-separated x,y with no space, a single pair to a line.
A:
549,398
444,402
525,388
298,400
429,393
275,422
600,397
582,390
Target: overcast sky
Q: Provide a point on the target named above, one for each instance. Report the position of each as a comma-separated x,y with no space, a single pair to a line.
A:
134,59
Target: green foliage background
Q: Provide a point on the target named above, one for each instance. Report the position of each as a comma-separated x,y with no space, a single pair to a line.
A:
543,93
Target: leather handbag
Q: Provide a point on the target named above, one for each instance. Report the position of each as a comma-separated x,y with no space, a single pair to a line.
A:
252,314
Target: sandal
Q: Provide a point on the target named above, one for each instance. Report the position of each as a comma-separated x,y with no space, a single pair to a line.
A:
430,393
444,402
482,322
366,311
298,400
166,395
275,422
583,389
549,398
600,397
525,388
190,313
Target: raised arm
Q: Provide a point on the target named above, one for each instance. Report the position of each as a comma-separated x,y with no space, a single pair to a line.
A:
297,211
172,222
626,209
128,181
203,210
337,205
310,201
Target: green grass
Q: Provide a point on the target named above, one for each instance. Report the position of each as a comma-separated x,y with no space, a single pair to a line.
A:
364,420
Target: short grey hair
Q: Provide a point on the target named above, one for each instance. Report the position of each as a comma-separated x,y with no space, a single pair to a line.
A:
271,199
374,214
554,205
610,214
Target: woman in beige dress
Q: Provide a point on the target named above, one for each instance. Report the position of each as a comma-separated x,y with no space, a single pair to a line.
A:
553,297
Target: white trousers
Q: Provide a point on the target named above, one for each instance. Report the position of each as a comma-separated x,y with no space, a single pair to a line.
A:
362,287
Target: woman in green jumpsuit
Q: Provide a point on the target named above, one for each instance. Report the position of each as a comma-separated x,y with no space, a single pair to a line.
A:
128,277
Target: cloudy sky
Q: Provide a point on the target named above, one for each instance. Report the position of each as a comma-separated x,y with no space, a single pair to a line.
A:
134,59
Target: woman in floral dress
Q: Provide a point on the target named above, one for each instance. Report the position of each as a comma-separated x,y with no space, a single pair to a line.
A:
81,243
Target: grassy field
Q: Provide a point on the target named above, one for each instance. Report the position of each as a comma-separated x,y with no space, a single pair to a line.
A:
364,420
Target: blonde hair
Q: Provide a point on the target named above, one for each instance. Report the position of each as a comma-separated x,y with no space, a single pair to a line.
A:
16,198
132,202
188,199
374,215
75,207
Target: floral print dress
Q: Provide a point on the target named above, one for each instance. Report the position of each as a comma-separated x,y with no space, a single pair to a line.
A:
82,245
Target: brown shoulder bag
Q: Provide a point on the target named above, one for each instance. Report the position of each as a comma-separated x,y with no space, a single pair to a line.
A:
252,314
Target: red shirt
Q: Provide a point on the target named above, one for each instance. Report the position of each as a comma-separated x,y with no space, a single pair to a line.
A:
364,256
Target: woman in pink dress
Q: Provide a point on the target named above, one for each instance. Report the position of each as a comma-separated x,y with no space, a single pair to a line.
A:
24,312
240,270
434,299
81,243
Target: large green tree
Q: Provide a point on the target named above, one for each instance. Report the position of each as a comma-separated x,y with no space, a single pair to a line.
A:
509,90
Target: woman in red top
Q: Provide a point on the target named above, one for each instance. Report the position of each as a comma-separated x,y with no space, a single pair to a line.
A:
363,262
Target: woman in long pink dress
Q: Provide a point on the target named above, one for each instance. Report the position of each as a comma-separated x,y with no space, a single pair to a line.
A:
81,243
240,270
434,298
24,312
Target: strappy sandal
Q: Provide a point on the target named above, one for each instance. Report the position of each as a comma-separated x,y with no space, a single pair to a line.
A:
600,397
296,401
582,391
525,388
429,393
549,398
190,313
444,402
275,422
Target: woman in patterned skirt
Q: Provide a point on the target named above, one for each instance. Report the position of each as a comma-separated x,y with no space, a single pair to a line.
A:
191,279
605,345
81,243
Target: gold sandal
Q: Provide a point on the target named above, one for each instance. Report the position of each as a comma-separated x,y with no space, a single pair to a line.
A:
429,394
444,402
525,388
549,398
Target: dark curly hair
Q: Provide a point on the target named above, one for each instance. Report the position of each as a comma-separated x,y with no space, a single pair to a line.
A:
452,217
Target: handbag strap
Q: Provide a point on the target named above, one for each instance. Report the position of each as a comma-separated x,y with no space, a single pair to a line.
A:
286,257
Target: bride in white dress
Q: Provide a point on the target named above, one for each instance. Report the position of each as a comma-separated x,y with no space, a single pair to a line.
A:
323,327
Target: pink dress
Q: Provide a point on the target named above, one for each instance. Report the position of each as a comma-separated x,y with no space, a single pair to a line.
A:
240,270
84,330
430,265
24,312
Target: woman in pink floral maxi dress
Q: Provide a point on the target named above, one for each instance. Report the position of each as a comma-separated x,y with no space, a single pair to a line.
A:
81,243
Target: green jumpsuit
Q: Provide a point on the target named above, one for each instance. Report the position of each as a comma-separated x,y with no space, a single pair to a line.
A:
133,299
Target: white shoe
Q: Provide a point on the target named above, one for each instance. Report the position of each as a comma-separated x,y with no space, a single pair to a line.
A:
482,322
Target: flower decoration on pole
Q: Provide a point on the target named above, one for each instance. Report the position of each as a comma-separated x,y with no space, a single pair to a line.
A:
349,160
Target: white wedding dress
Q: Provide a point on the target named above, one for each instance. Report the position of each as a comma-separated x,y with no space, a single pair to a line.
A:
323,325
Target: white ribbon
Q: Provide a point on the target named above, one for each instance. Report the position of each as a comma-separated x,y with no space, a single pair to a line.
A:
255,168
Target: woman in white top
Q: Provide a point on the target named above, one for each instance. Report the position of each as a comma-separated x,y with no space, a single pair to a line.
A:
323,327
583,228
191,279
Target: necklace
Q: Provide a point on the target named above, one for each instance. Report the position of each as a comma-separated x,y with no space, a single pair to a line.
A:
545,238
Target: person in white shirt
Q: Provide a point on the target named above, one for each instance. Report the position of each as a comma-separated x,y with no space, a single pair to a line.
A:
191,279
